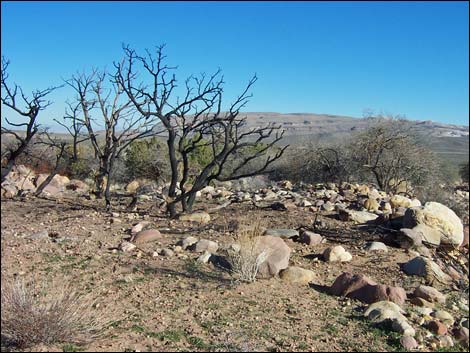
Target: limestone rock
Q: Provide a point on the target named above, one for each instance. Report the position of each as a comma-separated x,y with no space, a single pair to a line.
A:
437,224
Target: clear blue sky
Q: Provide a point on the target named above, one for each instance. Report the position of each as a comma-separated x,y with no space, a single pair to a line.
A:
408,58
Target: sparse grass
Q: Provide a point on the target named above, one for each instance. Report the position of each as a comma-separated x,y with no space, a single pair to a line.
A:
246,260
29,318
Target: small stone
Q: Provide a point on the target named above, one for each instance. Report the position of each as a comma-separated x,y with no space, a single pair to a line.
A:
437,327
336,254
125,246
445,341
310,238
204,258
444,317
408,342
167,252
282,233
44,234
376,246
297,275
187,242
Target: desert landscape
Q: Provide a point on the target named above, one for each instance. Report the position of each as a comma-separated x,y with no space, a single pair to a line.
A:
234,176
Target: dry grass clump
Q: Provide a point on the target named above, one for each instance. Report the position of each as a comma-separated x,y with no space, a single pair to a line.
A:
29,318
245,257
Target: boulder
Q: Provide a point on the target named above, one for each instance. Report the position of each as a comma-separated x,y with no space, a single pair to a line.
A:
365,290
199,217
297,275
408,238
437,224
145,236
430,294
277,255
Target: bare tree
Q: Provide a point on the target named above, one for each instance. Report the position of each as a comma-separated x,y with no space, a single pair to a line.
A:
391,152
195,121
102,100
74,128
28,109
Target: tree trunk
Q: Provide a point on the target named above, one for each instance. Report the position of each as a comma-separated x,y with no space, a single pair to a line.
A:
171,208
45,183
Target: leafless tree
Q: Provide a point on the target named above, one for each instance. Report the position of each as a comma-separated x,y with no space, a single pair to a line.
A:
101,101
28,108
391,152
74,128
194,121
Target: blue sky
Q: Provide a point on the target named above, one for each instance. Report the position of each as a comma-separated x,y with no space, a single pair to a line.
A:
409,58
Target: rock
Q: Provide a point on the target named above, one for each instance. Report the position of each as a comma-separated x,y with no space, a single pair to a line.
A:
423,311
305,203
167,252
371,204
297,275
437,327
430,294
445,341
199,217
402,201
125,246
277,255
423,267
204,245
138,227
421,302
437,224
461,335
9,191
282,233
403,327
132,186
336,254
356,216
408,238
365,290
310,238
376,246
444,317
145,236
205,257
384,310
465,241
408,342
328,206
465,323
187,242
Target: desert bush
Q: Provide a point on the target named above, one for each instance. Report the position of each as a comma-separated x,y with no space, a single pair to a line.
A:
246,259
145,159
28,318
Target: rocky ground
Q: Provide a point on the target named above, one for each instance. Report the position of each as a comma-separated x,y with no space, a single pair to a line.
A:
165,291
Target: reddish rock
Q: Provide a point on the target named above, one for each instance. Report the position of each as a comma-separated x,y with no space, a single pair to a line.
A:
310,238
430,294
437,327
365,290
